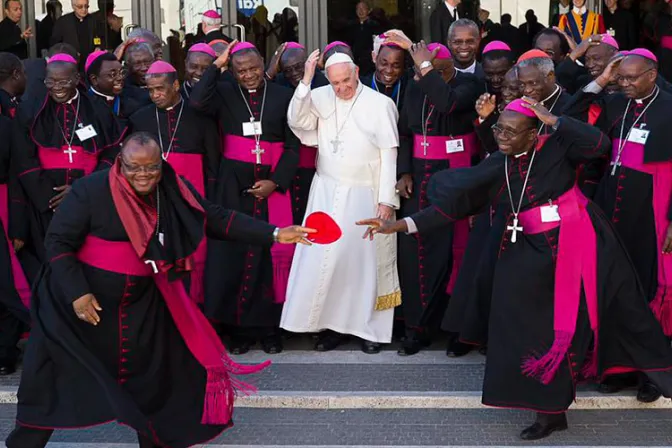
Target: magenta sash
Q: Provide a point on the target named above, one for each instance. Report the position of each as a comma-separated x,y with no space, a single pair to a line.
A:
20,282
190,166
666,42
632,157
58,159
576,265
437,149
197,333
307,157
279,205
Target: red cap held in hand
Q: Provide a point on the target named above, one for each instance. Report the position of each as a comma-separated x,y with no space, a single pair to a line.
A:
327,230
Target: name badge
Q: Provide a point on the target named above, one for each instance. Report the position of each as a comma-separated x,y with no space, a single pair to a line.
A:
453,146
638,136
549,213
251,128
86,133
611,32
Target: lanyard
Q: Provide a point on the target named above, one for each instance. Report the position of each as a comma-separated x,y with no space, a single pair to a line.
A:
257,137
166,153
395,92
74,127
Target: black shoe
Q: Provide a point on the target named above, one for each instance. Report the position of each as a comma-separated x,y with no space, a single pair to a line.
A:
545,425
328,341
7,369
370,348
483,350
272,345
239,347
617,383
647,393
457,349
412,347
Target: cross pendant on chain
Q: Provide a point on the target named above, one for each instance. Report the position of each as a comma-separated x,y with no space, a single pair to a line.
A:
257,151
70,152
515,228
336,143
615,165
424,145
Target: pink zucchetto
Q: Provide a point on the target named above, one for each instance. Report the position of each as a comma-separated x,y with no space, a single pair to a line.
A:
496,45
336,43
92,58
203,48
161,68
62,57
243,46
443,53
520,106
387,44
290,45
644,53
212,14
609,40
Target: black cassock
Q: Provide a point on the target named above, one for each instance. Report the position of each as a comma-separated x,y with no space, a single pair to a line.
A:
239,286
134,367
11,40
134,97
522,314
447,111
43,133
396,93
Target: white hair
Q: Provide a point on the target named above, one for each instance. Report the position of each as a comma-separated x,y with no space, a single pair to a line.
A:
352,65
464,23
210,21
544,65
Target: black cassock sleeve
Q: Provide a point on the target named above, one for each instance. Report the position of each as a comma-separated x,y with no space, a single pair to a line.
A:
405,152
485,134
458,193
65,237
205,96
285,170
584,143
570,75
448,99
213,154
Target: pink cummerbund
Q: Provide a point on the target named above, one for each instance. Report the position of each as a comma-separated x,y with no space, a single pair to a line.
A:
666,42
437,149
307,157
59,159
242,149
189,166
113,256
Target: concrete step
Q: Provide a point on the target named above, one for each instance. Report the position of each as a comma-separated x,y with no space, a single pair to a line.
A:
400,428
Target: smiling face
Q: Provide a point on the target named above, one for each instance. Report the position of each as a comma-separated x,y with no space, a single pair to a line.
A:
344,79
463,44
534,84
110,80
197,63
61,81
597,58
579,3
163,90
292,64
495,70
389,65
139,61
515,133
510,88
248,69
141,166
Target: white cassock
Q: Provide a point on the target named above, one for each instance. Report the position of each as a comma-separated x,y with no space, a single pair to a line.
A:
339,286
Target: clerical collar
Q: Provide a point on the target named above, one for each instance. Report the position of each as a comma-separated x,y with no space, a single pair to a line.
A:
579,11
471,69
563,9
107,97
251,91
74,97
518,156
174,106
557,89
647,97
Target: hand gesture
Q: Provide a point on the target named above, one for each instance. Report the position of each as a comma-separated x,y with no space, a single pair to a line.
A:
18,244
262,189
398,37
580,51
667,246
385,212
274,65
311,66
223,59
62,191
121,49
540,111
570,40
27,34
86,308
295,235
485,105
610,71
382,226
420,53
404,186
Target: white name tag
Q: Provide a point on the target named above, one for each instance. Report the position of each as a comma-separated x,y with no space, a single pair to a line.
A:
549,213
86,133
638,136
251,128
454,146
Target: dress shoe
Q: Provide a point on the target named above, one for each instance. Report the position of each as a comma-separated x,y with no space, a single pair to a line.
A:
413,346
647,393
238,347
370,348
617,383
545,425
457,349
7,369
483,350
328,341
272,345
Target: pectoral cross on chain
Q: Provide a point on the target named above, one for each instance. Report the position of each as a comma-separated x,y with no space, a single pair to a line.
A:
615,165
515,228
257,151
70,152
336,143
425,145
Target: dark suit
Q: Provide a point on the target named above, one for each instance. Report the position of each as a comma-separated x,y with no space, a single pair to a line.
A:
36,71
11,40
440,21
85,35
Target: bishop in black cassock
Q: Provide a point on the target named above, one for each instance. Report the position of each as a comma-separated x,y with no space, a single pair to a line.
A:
260,158
105,77
138,57
59,139
199,58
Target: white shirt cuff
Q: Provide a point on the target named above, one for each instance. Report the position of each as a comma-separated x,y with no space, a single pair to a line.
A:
593,87
412,228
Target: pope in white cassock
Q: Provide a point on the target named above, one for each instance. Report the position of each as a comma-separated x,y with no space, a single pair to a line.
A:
351,286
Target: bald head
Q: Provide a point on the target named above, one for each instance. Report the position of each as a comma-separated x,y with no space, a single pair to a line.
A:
140,143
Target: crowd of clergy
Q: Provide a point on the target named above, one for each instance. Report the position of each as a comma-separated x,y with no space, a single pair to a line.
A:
519,204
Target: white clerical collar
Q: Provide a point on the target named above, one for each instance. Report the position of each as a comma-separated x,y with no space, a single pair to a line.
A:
579,11
107,97
73,98
471,69
173,107
212,30
647,97
518,156
452,9
557,89
563,9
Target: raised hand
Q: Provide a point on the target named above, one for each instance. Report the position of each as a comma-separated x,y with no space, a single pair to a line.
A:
610,71
311,66
540,111
223,59
485,105
420,53
580,51
274,65
398,37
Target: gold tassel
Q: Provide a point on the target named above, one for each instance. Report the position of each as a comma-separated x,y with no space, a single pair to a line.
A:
388,301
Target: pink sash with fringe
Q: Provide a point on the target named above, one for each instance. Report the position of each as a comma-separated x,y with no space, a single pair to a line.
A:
576,265
20,282
279,204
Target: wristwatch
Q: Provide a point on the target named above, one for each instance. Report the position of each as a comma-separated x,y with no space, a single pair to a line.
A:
425,64
275,234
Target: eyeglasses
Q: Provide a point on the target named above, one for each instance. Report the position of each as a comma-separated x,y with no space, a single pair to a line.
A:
50,83
506,133
137,169
116,74
631,79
